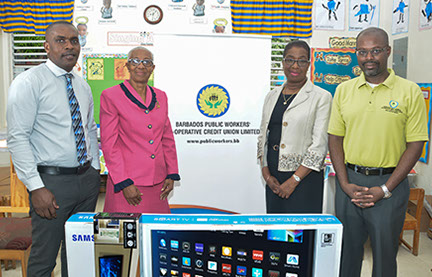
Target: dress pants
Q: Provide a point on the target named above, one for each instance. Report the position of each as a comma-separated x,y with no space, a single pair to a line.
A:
73,193
382,223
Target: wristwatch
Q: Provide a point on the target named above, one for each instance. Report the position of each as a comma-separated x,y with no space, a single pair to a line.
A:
387,193
297,178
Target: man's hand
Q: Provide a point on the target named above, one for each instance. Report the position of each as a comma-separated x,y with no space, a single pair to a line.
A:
44,203
360,196
273,184
374,194
287,188
132,195
166,188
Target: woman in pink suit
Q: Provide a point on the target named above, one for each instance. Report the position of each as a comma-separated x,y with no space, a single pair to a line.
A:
137,141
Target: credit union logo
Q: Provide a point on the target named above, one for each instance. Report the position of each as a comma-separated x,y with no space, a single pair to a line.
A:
213,100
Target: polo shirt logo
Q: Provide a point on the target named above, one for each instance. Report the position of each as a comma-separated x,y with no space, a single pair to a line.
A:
392,107
393,104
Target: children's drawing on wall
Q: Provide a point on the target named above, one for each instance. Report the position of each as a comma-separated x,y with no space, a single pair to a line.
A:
330,15
82,29
82,34
425,18
106,9
219,25
400,16
363,14
198,8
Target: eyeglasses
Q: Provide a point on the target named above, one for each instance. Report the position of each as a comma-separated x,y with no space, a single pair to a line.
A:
136,62
300,62
375,52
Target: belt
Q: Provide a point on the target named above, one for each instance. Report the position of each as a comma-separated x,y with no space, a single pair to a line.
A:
371,170
58,170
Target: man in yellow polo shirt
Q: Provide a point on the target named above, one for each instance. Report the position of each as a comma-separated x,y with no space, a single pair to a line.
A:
377,130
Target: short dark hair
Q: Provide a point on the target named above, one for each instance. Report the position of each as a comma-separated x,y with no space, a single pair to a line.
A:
297,43
374,31
55,23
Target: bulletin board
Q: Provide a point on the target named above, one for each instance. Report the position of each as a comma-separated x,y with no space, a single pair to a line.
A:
330,67
426,89
102,71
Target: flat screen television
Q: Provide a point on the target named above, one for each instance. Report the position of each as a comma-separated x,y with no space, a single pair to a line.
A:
240,245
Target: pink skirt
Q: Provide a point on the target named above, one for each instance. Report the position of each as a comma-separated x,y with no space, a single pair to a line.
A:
150,203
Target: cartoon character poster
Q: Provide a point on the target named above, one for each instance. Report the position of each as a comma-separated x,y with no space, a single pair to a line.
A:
363,14
330,67
330,15
425,17
400,16
426,88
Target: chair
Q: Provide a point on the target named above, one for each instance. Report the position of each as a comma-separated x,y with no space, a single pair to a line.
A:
413,222
15,233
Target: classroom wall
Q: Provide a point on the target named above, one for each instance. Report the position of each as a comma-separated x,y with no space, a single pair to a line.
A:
419,67
419,62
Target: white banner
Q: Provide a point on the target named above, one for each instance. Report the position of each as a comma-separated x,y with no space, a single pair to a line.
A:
216,87
363,14
400,16
330,15
425,17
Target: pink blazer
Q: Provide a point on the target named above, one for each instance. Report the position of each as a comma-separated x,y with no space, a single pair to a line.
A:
136,137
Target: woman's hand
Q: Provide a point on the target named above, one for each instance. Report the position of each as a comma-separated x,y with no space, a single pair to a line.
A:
287,188
166,188
273,184
132,195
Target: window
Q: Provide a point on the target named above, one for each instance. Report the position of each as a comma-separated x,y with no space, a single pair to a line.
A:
28,51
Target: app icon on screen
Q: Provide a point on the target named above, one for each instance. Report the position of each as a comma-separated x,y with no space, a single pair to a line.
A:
257,255
241,270
162,242
174,260
186,274
241,253
199,263
163,271
226,268
186,245
212,265
174,273
257,272
274,257
174,244
292,259
199,247
291,274
227,251
186,261
273,273
212,249
162,257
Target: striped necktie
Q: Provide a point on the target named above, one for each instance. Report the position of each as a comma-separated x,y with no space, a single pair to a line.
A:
76,121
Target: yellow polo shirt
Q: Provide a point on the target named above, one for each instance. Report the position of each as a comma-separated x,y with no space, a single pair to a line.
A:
377,123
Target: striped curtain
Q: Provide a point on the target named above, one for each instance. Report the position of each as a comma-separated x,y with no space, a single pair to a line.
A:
33,15
278,18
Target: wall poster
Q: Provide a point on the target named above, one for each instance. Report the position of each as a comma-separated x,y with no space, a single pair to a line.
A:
329,15
363,14
330,67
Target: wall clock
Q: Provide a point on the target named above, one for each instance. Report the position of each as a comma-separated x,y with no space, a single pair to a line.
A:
153,14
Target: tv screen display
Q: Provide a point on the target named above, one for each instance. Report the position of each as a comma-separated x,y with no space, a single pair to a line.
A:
235,253
110,266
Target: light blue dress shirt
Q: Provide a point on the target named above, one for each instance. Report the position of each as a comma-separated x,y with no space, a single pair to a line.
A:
39,122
